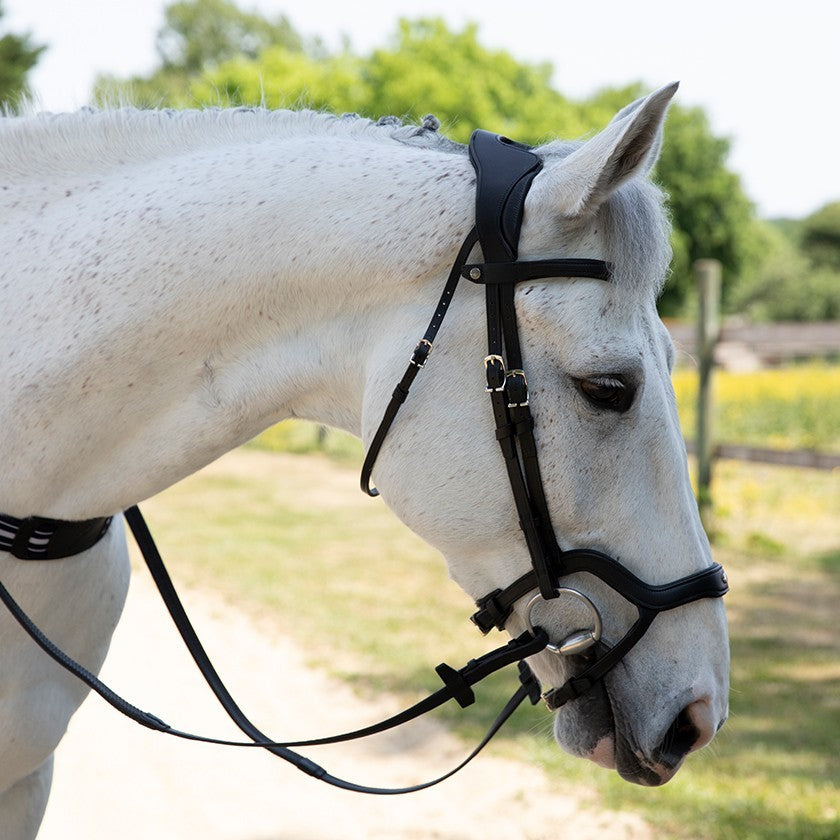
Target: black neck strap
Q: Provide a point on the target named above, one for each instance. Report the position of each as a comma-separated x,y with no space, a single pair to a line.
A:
40,538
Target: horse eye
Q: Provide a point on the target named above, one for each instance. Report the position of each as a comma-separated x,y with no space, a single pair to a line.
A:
610,392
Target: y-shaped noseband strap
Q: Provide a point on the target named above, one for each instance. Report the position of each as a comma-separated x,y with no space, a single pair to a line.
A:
505,171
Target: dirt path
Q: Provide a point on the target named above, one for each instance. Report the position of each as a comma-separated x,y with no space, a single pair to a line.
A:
114,779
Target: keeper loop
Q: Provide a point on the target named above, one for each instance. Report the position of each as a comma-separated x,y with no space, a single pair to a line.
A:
490,613
530,682
455,682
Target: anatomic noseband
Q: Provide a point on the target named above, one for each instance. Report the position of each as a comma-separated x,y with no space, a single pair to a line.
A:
505,171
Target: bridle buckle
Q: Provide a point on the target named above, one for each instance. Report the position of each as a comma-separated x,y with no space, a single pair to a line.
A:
517,388
421,353
494,369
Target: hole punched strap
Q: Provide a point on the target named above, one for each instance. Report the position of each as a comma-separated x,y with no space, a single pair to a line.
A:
524,270
457,682
416,363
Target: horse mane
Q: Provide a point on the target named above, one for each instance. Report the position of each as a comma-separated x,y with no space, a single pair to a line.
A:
88,138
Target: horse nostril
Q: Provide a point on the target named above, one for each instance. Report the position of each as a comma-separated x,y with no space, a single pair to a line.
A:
692,728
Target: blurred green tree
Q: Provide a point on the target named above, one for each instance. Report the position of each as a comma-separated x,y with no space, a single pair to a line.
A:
429,68
18,55
196,37
409,78
786,284
820,237
711,214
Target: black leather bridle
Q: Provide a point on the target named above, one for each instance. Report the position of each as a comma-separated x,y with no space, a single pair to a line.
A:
505,171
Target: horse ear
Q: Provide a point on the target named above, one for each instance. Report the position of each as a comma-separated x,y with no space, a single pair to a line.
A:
627,110
627,147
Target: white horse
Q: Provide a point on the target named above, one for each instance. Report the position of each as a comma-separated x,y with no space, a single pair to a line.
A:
174,283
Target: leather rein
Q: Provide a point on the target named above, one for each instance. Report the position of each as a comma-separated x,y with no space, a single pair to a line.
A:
505,171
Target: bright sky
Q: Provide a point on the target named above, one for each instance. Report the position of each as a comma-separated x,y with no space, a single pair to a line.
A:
768,73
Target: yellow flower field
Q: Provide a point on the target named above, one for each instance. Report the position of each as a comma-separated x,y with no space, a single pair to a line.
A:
795,407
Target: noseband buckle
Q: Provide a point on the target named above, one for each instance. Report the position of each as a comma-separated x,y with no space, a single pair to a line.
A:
517,388
494,369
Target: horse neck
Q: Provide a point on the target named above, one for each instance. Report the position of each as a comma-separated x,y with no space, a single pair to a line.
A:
192,302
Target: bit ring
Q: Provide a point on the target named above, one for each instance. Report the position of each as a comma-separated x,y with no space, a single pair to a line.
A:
578,641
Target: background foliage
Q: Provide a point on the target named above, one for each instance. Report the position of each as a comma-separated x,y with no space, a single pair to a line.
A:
18,55
789,281
213,53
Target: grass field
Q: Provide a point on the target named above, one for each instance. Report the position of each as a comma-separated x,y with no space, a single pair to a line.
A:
291,538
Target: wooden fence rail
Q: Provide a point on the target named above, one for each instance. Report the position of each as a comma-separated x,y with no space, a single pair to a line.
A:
759,345
710,344
808,458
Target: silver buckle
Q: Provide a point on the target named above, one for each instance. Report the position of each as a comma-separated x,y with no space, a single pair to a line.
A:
488,360
518,372
428,353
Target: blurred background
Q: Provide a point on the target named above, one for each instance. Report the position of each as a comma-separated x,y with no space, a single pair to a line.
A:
750,167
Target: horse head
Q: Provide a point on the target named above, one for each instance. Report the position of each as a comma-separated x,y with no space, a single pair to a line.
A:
611,455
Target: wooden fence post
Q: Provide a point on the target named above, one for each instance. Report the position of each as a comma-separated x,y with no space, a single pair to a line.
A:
708,275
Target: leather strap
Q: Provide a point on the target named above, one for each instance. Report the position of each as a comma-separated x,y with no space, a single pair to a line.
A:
495,608
457,683
505,171
417,361
523,270
39,538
